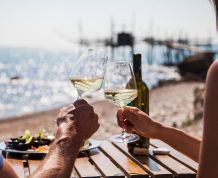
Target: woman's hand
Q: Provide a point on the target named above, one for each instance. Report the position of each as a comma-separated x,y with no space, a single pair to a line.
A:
134,120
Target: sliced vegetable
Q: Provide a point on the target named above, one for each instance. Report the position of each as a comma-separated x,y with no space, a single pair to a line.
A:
29,140
41,134
26,135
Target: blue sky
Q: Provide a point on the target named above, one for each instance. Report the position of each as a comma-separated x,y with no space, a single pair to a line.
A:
37,23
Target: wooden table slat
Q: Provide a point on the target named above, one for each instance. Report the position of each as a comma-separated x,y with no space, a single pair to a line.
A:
85,169
129,167
177,155
152,167
33,164
173,165
104,164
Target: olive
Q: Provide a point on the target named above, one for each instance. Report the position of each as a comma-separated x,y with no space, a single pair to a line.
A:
22,146
45,142
36,143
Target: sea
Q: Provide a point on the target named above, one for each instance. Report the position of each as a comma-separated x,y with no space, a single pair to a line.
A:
34,80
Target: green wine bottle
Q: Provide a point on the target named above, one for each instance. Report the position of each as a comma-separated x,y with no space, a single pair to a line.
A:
142,102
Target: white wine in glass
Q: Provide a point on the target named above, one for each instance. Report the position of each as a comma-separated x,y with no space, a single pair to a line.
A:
87,84
120,88
121,97
88,72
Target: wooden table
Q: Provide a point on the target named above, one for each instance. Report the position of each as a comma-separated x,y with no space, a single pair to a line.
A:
113,160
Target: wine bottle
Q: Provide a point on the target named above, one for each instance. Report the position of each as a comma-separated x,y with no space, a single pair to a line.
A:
142,102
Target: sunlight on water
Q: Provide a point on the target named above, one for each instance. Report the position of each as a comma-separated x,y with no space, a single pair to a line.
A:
35,80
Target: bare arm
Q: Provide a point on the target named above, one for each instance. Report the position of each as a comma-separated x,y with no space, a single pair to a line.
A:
209,150
134,120
188,145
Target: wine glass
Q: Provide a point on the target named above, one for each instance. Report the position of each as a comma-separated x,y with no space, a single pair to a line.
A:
120,87
88,72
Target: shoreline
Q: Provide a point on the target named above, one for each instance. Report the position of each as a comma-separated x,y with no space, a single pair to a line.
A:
170,104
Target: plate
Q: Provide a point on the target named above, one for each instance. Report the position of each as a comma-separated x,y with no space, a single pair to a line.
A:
92,145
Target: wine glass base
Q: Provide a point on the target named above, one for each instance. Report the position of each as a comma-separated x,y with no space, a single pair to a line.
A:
124,138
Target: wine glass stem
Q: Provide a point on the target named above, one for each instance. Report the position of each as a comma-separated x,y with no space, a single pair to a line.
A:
123,133
79,93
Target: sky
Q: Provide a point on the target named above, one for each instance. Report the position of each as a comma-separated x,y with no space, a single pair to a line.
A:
49,23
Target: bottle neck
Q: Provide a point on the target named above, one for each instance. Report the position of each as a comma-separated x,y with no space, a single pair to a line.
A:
138,74
137,66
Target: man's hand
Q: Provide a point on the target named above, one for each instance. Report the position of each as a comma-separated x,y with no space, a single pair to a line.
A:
134,120
77,121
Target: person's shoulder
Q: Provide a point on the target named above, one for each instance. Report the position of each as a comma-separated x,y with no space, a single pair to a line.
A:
214,69
215,63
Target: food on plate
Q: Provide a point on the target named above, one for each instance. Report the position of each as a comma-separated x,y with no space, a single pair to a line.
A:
38,143
28,142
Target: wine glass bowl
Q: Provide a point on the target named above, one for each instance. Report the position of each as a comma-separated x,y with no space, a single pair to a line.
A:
88,72
120,88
